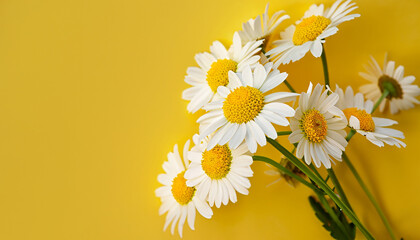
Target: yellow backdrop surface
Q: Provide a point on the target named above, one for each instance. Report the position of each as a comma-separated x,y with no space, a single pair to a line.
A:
90,104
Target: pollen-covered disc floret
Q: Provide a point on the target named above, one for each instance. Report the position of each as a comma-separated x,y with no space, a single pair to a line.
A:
243,104
214,67
179,200
218,73
313,125
220,172
402,93
261,27
359,115
309,33
318,127
309,29
216,162
245,111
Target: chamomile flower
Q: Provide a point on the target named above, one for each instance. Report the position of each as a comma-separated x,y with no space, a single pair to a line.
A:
220,172
214,68
245,112
402,94
318,127
310,32
179,200
358,113
257,29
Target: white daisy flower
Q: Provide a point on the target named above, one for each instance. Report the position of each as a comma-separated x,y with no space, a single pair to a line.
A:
257,29
358,113
244,112
310,32
318,127
214,68
179,200
220,172
402,94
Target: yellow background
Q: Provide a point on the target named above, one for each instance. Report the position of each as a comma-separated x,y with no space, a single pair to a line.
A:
90,104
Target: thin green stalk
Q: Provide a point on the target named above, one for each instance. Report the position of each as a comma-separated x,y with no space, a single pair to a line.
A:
289,86
320,182
333,215
383,96
338,187
325,67
282,133
351,134
369,194
286,171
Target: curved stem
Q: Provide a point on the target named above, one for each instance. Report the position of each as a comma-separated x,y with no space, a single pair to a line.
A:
369,194
383,96
325,67
320,182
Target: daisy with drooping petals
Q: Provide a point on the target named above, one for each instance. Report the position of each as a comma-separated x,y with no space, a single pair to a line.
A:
179,200
214,68
402,94
254,29
310,32
318,127
358,113
244,112
220,172
275,172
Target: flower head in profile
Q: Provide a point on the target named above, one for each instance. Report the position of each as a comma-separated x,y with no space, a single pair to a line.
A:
245,111
402,94
261,27
219,173
358,113
214,67
318,127
309,33
179,200
281,175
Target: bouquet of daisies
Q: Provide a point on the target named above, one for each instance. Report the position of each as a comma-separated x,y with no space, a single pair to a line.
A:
236,86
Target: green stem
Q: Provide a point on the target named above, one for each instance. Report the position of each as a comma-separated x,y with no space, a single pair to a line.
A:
325,67
333,215
338,187
383,96
289,86
286,171
351,134
320,182
282,133
369,194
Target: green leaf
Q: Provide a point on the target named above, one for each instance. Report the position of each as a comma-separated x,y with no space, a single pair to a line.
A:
328,222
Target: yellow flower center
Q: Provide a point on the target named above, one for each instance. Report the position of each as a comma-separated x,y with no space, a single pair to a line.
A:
366,122
181,192
218,73
216,162
313,125
392,85
243,104
309,29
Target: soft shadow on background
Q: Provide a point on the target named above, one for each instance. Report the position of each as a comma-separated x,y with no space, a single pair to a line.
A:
90,99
